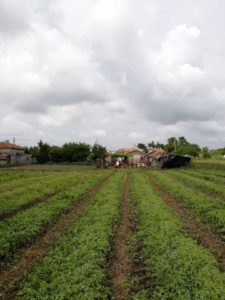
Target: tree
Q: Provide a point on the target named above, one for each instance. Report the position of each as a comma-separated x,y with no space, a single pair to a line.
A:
75,152
182,141
98,151
143,147
55,154
205,152
171,145
151,145
43,152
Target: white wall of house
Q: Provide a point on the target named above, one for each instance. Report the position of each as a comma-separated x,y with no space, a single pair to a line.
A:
17,156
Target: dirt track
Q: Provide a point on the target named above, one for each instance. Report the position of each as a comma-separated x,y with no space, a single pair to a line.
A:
120,265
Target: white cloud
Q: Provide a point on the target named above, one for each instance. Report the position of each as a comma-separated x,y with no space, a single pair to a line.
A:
12,125
93,69
137,135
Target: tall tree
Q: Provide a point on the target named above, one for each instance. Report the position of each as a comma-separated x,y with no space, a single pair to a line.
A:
142,147
43,152
98,151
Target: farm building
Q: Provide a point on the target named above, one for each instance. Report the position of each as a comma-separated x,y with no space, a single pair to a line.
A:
155,156
13,154
131,155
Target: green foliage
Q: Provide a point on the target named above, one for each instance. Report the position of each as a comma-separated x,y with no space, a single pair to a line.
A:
15,195
75,152
205,152
69,152
142,147
75,268
98,152
43,152
182,147
56,154
175,265
209,209
25,227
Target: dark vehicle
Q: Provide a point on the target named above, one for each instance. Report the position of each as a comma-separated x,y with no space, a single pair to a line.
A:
176,161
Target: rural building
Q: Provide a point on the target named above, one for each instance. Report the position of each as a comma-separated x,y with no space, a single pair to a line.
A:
131,155
155,156
13,154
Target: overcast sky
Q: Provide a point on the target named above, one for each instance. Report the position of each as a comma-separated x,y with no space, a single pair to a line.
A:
120,71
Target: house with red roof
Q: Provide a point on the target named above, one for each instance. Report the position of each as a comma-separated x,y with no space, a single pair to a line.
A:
11,153
131,155
155,156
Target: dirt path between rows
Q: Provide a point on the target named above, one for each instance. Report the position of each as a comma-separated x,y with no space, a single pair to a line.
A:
12,278
120,265
200,232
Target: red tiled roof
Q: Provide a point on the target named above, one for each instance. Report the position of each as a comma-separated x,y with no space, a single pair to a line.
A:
6,145
156,152
129,150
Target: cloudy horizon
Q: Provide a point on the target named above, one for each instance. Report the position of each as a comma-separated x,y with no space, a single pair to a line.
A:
116,71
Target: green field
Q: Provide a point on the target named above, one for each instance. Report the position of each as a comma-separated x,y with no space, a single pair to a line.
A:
73,232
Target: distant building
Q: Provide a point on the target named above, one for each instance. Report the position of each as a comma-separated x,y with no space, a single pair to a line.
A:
155,156
13,154
134,155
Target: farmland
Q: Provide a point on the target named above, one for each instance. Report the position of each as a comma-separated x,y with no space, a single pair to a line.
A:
70,232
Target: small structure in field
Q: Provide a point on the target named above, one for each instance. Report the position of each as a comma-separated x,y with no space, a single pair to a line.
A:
130,155
176,161
13,154
155,157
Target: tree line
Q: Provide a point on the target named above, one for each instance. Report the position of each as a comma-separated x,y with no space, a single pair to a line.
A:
180,146
69,152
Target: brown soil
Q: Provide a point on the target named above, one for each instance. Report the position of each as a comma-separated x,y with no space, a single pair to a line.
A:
120,265
11,278
201,232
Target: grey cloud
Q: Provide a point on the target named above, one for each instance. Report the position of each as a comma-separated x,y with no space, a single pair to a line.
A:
136,65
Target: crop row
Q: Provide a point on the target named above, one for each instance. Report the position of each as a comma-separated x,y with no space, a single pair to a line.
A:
199,184
76,267
7,177
27,225
20,182
13,200
209,176
208,209
175,266
210,165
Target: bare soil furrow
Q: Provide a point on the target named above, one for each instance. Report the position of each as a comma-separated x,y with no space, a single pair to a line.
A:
200,232
12,277
120,264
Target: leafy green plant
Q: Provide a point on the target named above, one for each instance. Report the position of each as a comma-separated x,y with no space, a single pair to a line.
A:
175,266
76,266
27,225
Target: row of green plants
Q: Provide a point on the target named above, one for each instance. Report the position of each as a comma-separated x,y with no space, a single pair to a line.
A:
6,177
11,201
76,266
202,170
175,266
209,176
27,225
208,209
211,165
21,182
199,184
